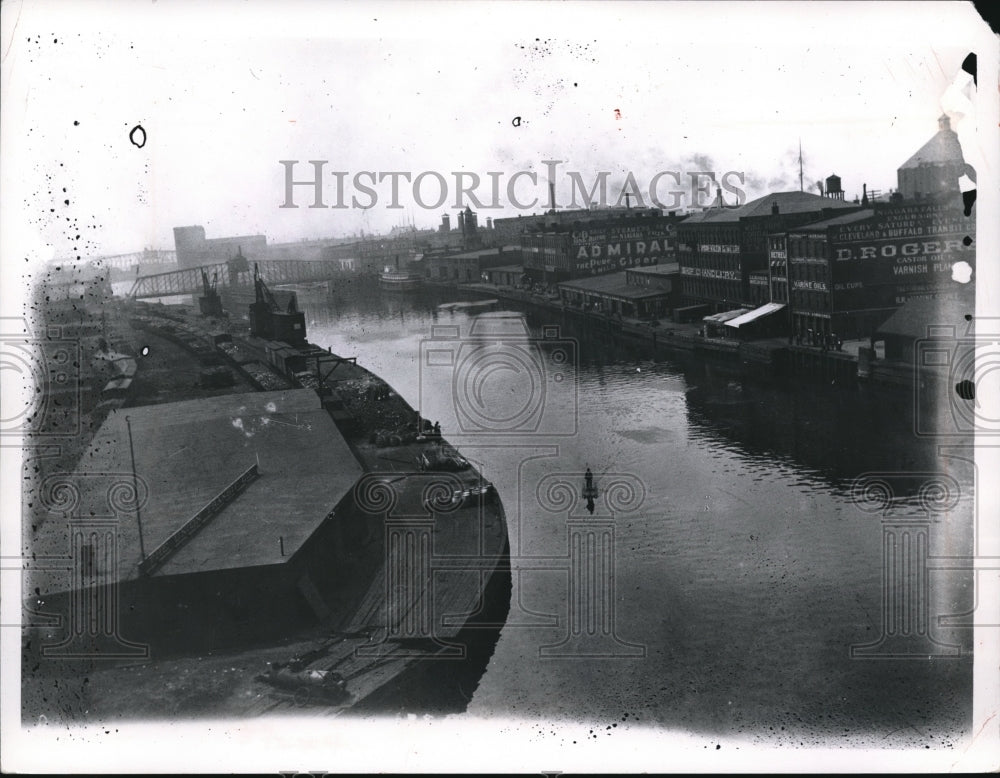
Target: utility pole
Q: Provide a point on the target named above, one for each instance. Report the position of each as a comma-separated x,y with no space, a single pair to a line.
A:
135,487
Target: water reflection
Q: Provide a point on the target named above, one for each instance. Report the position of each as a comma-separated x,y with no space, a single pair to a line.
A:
749,570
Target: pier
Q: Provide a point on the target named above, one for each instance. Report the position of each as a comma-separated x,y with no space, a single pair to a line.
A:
770,357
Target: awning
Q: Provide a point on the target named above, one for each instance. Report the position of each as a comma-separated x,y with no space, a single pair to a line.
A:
725,316
765,310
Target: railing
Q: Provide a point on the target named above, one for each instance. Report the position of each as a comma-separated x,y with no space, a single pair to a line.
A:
190,281
169,547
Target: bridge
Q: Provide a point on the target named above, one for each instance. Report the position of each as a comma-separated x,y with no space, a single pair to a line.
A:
189,280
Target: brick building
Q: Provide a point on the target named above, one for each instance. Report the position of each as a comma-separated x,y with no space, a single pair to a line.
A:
622,239
194,250
848,274
843,276
723,252
469,266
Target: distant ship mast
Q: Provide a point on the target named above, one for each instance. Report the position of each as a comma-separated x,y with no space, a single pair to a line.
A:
800,166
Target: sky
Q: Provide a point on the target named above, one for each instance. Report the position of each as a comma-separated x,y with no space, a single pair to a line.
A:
224,91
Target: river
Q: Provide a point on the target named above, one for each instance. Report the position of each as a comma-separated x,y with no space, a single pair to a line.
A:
743,569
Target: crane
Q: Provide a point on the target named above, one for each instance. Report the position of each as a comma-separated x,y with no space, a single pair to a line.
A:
271,321
210,303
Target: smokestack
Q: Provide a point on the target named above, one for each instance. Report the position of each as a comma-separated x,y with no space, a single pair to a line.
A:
718,196
864,194
552,195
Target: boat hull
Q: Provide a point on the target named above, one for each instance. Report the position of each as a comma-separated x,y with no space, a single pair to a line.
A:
399,283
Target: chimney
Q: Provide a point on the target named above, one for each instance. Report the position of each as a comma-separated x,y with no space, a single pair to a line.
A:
864,194
552,195
774,208
718,196
944,123
489,222
445,223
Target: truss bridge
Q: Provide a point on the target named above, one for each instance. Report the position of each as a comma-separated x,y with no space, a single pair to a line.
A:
225,275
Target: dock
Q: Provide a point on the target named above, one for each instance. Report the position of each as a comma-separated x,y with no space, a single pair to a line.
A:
272,524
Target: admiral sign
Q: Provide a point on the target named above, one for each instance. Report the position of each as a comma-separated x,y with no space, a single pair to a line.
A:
597,265
606,249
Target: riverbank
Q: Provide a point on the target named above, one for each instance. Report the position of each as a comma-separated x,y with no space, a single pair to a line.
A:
772,357
377,636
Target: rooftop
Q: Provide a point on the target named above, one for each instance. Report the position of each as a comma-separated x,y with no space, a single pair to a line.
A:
611,284
787,202
187,453
482,252
942,148
847,218
665,269
916,315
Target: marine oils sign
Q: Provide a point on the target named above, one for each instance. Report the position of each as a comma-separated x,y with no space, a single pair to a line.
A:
605,249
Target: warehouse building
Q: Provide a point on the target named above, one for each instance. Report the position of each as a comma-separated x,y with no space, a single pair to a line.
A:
843,277
639,293
622,239
244,525
723,252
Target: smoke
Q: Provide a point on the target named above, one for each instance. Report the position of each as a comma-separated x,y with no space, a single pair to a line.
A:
784,177
700,162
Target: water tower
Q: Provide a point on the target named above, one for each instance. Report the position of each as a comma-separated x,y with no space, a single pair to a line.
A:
833,188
